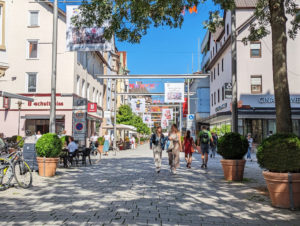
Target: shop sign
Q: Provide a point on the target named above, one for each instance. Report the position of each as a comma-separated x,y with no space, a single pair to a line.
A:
228,90
220,108
6,102
271,100
79,103
92,107
44,104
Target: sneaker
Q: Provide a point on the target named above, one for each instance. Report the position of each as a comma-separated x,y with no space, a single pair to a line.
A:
202,166
205,166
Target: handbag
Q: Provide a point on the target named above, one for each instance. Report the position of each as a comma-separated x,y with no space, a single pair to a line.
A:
171,146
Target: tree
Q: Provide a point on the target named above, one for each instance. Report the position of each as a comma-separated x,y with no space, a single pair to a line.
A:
130,20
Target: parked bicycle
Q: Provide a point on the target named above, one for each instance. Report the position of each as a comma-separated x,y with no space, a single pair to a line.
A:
14,166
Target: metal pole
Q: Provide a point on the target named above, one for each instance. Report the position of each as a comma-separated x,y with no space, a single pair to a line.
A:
54,67
19,107
115,119
180,118
188,93
234,125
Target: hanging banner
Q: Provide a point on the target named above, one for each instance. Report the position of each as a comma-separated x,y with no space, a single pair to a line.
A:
138,105
167,113
147,119
174,92
87,38
185,107
164,123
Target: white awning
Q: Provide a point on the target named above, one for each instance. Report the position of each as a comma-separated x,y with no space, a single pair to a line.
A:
121,127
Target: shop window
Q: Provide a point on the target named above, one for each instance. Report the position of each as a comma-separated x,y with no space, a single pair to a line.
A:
33,18
31,82
255,49
256,84
32,50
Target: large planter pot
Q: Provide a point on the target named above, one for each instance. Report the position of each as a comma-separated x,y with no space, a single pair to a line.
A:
233,169
47,166
284,189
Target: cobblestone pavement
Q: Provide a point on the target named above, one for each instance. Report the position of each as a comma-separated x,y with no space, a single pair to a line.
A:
125,189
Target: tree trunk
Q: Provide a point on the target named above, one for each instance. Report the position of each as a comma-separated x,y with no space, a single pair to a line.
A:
280,78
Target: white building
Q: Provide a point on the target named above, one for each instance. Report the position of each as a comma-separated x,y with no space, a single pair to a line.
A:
3,37
254,76
29,49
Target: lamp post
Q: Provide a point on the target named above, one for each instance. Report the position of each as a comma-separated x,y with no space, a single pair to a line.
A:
54,68
19,107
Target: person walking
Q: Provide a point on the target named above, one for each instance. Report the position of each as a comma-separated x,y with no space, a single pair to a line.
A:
157,144
250,142
214,145
188,144
106,144
174,149
132,142
204,140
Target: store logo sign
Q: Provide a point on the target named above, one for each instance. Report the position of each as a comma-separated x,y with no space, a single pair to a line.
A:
92,107
271,100
44,104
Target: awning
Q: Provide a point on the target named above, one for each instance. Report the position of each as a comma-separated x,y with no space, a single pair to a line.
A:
121,127
40,117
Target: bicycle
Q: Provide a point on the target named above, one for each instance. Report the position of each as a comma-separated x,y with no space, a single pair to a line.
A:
14,166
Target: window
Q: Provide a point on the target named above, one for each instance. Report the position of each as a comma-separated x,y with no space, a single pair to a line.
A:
2,25
32,49
215,102
94,93
213,51
223,93
77,84
227,29
83,88
223,65
218,69
211,77
97,96
33,18
256,84
212,100
31,82
216,47
88,91
100,99
218,95
215,73
255,49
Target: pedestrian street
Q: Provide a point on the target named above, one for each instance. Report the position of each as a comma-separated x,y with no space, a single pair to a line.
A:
125,190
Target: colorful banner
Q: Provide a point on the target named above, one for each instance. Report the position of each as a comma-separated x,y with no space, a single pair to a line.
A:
87,38
164,123
138,105
185,107
174,92
142,86
167,113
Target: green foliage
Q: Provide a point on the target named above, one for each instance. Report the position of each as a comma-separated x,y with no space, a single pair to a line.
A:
232,146
64,139
49,146
221,131
101,140
126,117
280,153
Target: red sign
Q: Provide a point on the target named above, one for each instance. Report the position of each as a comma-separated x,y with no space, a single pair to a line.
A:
43,103
92,107
6,102
185,107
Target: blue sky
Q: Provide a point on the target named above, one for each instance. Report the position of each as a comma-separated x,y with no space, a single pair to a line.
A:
167,51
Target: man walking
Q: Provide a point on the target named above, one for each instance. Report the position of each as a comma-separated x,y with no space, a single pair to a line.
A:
157,144
204,140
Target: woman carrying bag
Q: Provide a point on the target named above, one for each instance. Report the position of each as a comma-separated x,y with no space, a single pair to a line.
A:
174,149
188,145
157,144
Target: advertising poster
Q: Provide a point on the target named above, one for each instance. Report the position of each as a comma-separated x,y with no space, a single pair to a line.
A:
87,38
138,105
164,123
147,119
174,92
168,113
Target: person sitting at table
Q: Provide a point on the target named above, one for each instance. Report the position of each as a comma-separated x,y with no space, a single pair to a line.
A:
72,147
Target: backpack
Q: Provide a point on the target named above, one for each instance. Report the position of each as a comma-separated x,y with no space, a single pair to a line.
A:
204,138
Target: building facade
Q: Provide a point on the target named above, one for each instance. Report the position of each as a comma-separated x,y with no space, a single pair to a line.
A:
254,76
3,37
29,49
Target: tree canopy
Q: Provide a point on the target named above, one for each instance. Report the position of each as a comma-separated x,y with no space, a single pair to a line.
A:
125,116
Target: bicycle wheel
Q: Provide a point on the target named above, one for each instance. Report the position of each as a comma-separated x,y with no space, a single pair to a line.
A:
6,173
23,174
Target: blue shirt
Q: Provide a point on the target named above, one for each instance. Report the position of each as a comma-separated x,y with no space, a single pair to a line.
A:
72,146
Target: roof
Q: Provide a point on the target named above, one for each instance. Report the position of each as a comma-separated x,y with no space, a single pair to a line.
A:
246,3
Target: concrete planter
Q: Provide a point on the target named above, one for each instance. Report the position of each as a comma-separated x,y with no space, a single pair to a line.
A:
233,169
284,189
47,166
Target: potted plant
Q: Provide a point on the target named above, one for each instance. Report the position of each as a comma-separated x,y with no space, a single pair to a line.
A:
101,141
233,147
142,140
280,156
48,149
